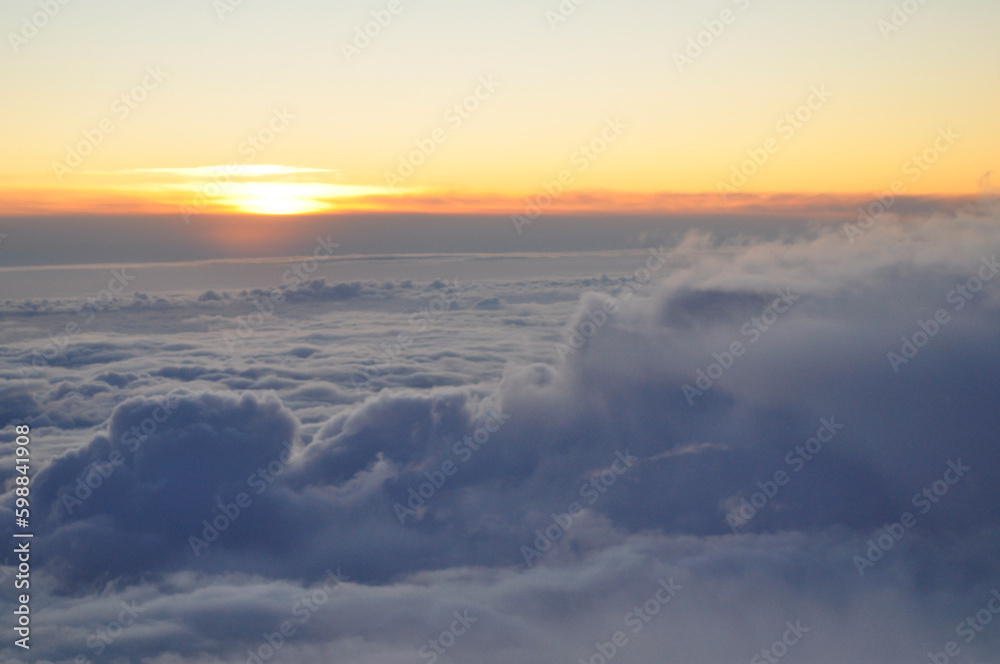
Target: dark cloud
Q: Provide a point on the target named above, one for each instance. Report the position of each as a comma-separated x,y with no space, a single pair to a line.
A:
126,502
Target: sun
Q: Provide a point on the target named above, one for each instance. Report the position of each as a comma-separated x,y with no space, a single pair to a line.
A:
282,198
281,205
258,190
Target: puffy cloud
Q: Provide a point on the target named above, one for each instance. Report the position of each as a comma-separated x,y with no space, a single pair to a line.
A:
128,500
740,425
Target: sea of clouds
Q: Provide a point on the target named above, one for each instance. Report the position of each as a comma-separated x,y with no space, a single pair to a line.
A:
718,450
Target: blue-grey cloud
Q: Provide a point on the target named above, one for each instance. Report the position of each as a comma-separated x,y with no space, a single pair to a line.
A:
626,433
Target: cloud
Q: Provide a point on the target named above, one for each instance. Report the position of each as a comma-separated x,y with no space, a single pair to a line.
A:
603,466
159,470
556,611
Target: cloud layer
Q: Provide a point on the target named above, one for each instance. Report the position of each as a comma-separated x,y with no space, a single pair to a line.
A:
540,453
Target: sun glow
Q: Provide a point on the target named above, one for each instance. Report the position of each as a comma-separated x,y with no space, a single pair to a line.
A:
290,197
277,197
259,196
272,200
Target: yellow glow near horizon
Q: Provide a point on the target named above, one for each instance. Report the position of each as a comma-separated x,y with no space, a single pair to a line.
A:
144,124
225,192
283,198
278,203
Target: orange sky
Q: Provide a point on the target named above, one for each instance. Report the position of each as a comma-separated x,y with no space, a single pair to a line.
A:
274,109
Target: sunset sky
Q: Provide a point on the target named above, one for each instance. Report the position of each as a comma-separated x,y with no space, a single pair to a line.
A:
500,331
183,87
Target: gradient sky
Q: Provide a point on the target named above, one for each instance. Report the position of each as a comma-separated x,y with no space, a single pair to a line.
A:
685,131
172,327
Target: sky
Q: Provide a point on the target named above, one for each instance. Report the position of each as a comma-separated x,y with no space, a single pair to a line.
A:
181,89
531,332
